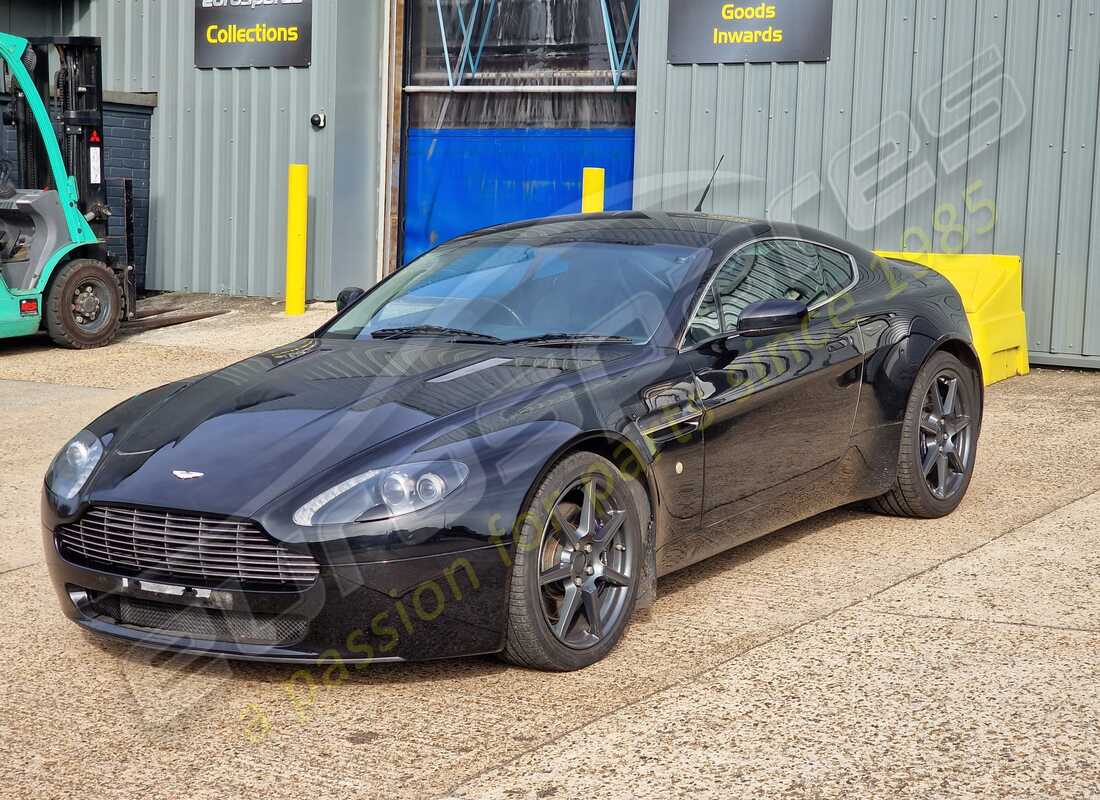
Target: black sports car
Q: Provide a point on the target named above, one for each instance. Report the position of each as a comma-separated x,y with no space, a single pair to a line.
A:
500,448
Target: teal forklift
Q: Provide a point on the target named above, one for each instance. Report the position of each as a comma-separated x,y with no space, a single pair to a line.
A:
56,274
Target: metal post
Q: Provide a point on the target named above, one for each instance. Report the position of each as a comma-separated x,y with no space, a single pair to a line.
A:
464,57
609,35
592,191
468,63
618,61
443,38
633,26
297,238
485,26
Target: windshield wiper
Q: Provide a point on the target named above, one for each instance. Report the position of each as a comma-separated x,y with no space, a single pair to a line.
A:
438,331
551,339
459,335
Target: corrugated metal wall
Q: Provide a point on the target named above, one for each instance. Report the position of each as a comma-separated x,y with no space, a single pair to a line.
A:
222,141
931,117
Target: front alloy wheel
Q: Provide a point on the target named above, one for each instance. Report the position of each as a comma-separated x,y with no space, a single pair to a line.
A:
586,564
578,556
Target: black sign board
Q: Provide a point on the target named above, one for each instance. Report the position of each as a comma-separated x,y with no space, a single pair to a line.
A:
716,32
253,33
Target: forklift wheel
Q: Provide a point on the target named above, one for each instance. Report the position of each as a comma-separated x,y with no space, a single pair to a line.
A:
83,306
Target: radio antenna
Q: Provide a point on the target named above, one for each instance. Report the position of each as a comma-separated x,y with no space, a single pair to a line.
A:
703,199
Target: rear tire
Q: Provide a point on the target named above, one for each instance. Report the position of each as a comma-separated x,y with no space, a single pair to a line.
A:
578,558
938,442
83,308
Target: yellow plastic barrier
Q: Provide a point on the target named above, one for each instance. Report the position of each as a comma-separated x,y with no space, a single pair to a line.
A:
991,288
592,190
297,239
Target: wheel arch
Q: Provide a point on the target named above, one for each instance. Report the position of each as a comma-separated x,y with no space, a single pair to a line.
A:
80,250
628,457
908,350
964,351
617,449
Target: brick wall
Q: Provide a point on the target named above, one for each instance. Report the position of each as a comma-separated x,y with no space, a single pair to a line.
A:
126,155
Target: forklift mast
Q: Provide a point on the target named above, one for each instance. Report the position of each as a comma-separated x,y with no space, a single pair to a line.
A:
76,91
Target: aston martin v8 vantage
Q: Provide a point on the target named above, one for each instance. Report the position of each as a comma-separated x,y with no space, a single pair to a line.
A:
500,448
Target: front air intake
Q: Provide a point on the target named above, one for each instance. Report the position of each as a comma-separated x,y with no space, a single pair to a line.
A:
198,550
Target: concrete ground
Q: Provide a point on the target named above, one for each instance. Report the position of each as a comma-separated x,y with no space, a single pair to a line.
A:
849,656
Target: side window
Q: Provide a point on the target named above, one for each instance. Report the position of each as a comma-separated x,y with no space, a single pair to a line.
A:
836,269
706,323
780,268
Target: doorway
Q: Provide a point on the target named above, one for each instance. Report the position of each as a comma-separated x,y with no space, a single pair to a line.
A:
505,104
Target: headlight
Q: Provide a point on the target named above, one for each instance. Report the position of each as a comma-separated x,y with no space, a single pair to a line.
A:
72,467
383,493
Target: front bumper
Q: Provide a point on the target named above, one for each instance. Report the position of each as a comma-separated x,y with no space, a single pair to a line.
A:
429,607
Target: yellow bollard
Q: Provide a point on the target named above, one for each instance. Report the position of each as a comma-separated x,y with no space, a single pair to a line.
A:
592,190
297,238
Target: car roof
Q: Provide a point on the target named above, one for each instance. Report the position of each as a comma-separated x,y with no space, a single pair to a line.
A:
699,231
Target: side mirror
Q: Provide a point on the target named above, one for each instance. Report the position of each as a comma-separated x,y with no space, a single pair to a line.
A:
348,297
772,316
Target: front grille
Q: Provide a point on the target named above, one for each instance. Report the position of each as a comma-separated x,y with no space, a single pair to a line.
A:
198,549
202,623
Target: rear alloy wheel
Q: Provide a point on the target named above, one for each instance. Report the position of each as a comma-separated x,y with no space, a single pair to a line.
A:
576,567
945,437
83,306
939,441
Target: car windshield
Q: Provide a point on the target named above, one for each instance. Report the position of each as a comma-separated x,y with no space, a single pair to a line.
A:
509,291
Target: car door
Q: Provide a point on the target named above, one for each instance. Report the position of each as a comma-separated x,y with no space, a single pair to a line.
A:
778,409
671,423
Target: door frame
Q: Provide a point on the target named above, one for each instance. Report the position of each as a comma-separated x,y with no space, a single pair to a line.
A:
392,138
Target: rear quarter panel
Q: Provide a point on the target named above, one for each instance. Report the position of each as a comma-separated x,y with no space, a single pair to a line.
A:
906,312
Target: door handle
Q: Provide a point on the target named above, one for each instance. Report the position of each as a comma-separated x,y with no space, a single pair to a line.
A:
840,344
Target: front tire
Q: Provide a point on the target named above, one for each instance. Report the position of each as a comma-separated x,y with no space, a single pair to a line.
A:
939,441
83,308
578,562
